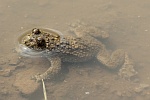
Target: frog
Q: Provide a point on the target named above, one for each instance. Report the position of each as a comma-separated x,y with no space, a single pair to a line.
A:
85,45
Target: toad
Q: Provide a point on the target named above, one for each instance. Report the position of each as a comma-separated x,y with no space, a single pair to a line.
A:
58,47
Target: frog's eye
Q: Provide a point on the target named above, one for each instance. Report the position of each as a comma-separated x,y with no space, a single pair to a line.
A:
36,31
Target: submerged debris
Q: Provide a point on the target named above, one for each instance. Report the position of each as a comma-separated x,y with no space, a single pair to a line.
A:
141,88
44,90
5,73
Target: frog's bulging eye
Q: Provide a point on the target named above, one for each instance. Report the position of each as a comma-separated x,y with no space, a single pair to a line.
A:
36,31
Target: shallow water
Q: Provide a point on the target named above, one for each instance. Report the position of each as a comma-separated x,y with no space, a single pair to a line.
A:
127,22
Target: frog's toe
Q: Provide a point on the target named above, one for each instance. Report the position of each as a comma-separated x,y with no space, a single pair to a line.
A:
36,77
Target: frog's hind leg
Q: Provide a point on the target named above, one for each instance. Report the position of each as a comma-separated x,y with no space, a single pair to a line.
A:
81,29
97,32
111,60
118,58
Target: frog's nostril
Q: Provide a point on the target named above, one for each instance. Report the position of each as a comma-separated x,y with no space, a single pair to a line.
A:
36,31
39,38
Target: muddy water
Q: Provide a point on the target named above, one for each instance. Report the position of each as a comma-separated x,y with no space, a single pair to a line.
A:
127,22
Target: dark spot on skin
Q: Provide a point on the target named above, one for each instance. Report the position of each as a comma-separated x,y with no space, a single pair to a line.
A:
36,31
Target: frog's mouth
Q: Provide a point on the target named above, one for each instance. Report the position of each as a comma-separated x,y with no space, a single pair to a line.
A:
25,51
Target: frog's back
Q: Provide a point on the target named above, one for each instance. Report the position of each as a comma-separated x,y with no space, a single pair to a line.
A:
77,49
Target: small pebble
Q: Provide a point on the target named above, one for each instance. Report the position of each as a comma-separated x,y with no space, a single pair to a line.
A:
5,73
138,16
21,27
87,92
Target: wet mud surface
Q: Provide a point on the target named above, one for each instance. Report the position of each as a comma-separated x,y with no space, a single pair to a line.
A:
77,81
126,21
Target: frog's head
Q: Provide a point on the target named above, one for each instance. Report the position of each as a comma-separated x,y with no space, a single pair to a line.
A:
36,41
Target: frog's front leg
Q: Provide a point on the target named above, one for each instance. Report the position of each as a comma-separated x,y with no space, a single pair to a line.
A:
53,70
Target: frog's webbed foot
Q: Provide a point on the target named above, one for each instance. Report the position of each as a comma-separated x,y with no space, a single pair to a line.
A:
111,60
37,77
127,70
118,58
51,72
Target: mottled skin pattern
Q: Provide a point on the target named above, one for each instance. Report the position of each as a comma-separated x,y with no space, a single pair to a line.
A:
60,48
